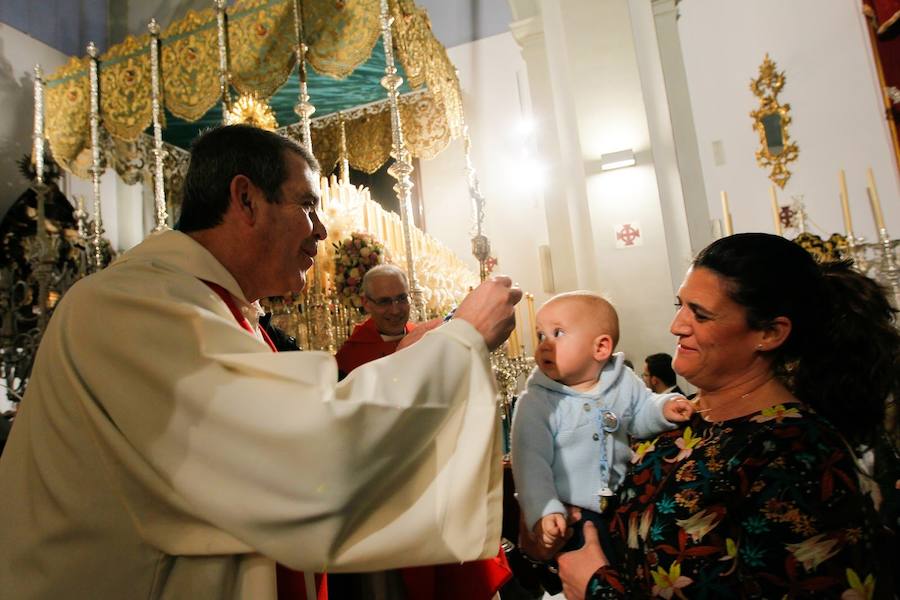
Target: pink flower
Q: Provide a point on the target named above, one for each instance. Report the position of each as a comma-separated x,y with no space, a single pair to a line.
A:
686,444
667,583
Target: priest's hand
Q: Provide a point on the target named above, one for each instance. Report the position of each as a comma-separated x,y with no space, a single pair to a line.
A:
418,331
489,308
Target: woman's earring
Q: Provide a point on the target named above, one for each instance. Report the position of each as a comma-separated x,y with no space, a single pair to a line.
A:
759,347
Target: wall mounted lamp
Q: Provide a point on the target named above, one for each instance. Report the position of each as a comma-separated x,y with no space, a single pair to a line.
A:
617,160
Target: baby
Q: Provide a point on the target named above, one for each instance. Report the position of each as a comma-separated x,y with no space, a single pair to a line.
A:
570,428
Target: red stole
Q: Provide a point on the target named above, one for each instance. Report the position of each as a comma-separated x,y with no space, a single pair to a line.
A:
291,584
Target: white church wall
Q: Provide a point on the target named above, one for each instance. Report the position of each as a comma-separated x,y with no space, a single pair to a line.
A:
18,55
491,74
823,49
612,116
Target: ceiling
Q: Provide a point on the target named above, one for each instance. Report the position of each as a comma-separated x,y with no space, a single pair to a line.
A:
69,25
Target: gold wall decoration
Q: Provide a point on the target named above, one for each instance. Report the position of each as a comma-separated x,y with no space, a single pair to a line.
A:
771,121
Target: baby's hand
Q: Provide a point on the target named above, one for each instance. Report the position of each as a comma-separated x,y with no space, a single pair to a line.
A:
550,529
678,410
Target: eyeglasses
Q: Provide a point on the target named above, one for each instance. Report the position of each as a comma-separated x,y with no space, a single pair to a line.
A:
401,299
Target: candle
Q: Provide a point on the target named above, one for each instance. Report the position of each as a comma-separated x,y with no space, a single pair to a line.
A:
845,204
726,214
512,349
873,200
532,321
776,210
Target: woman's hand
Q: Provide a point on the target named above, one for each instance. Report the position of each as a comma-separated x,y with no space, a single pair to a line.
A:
577,567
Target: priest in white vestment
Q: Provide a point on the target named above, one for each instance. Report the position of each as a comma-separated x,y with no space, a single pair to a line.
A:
162,450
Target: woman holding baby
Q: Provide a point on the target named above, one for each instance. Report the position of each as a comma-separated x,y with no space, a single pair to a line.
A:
760,494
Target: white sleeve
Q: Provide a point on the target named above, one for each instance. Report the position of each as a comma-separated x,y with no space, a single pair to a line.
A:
220,446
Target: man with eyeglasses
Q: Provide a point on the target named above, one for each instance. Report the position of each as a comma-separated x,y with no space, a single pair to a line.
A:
385,297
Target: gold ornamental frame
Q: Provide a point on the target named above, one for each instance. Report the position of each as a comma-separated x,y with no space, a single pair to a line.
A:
771,120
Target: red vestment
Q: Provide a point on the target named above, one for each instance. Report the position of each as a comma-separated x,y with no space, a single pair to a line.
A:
365,345
476,580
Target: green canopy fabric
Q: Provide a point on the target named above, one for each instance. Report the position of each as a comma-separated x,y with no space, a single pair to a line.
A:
327,94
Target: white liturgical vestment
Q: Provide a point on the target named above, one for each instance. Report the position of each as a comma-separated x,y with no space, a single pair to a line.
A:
161,451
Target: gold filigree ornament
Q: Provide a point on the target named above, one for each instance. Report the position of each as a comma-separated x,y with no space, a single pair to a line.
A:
251,110
771,120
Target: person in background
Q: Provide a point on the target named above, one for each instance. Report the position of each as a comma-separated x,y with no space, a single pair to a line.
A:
659,375
385,298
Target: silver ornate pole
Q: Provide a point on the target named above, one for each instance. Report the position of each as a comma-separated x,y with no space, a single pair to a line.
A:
303,108
96,169
223,58
38,131
345,161
159,188
481,245
401,169
41,257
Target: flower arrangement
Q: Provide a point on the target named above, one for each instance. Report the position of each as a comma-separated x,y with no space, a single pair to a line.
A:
352,258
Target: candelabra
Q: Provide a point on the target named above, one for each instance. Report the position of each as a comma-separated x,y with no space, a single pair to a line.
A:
877,260
856,251
887,268
509,365
318,307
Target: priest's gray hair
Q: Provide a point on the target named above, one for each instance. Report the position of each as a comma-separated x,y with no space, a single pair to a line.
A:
383,271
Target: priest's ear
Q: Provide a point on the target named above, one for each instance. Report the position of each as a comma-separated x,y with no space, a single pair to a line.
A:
242,194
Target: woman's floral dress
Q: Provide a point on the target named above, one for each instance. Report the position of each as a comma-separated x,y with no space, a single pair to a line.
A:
765,506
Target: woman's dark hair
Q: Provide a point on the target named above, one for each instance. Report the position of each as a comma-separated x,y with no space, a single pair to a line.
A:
842,356
220,154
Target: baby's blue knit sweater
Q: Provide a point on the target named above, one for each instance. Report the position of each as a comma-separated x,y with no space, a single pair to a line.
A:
556,437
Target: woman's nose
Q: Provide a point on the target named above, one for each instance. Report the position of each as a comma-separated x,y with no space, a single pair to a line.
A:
679,324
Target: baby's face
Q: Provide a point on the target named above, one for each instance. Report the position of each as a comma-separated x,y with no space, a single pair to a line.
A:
567,339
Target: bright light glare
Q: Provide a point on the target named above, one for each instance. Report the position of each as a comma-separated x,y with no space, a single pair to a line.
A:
533,172
525,127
